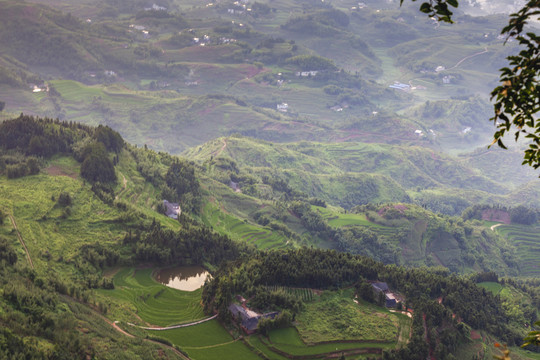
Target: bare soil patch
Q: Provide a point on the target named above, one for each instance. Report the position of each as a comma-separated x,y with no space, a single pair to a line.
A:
58,171
496,215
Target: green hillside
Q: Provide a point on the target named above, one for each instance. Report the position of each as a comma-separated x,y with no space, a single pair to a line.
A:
349,174
304,151
525,240
79,248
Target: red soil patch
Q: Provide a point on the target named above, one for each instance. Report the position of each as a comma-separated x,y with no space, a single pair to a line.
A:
496,215
250,70
58,171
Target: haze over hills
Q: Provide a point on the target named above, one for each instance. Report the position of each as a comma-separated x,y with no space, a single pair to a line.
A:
304,153
146,76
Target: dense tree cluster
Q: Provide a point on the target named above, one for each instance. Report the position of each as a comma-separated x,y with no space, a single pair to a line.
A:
275,300
312,62
109,138
192,244
43,138
183,185
96,166
442,302
40,137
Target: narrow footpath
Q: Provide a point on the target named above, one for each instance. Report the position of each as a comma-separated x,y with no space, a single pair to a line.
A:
120,330
218,152
21,240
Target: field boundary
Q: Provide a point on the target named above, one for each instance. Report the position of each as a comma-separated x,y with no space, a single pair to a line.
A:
175,326
346,352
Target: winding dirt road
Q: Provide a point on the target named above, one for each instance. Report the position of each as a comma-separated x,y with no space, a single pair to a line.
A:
469,57
21,240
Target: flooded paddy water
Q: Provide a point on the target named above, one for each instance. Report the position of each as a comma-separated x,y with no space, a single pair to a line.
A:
186,278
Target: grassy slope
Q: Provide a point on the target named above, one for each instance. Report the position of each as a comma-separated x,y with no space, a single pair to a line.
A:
236,228
38,218
337,317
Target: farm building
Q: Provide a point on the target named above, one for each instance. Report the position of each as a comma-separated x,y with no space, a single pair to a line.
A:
249,319
235,187
400,86
283,107
389,297
172,209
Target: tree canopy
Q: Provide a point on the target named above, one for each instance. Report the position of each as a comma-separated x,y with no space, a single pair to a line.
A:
517,98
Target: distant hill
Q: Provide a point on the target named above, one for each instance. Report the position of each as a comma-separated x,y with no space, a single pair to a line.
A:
348,174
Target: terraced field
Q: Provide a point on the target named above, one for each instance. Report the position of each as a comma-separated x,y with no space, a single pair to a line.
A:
304,294
261,237
526,240
287,343
342,220
153,303
207,341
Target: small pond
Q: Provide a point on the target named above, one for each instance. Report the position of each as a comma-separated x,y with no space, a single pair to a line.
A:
186,278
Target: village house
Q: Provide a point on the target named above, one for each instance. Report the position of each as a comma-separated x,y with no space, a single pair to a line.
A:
39,88
249,319
235,187
447,79
307,73
172,210
283,107
400,86
156,7
390,298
